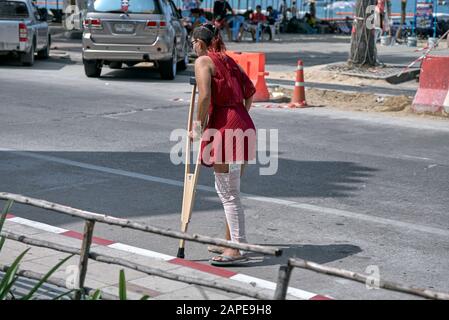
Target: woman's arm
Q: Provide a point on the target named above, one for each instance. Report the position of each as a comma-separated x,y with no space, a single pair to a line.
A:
246,83
249,102
203,75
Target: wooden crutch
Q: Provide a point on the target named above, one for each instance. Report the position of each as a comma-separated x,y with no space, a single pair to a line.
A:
190,179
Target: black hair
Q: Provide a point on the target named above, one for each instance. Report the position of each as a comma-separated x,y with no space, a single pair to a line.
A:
211,37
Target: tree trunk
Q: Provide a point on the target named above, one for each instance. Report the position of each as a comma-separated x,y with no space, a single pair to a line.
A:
403,17
363,46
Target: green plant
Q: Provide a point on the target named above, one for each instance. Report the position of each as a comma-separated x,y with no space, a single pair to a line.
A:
10,276
122,287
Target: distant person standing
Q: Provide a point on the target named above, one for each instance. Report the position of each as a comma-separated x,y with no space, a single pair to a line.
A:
221,11
380,10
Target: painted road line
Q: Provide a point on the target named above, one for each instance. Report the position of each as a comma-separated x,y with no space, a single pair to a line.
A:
79,236
204,267
292,204
255,282
38,225
140,251
264,284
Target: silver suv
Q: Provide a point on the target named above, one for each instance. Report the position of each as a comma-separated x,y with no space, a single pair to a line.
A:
133,31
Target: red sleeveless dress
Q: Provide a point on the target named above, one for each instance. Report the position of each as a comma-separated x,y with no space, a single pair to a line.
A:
230,135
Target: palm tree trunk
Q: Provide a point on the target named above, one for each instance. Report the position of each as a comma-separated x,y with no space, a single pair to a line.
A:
363,46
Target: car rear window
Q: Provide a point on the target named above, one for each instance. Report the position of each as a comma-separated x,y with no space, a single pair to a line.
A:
134,6
13,10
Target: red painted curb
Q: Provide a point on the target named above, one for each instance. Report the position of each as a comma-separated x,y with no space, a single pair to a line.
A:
203,267
318,297
77,235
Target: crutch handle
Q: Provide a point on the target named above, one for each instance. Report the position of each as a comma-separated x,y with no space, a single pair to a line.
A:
192,81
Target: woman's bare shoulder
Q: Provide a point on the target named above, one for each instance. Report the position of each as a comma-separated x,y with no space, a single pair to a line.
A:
203,61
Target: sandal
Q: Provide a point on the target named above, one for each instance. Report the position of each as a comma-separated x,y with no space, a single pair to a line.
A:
227,260
215,249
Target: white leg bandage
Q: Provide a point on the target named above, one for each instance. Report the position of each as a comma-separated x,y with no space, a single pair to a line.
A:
228,189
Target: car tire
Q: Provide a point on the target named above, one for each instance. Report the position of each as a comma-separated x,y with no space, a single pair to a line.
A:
115,65
182,65
168,68
45,53
27,58
92,68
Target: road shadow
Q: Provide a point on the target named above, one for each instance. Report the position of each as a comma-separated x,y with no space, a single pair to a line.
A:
150,196
142,74
320,254
52,63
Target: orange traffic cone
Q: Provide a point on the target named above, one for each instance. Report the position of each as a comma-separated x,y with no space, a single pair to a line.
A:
262,93
299,94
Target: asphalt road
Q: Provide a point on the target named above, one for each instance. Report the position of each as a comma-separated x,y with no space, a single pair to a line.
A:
352,190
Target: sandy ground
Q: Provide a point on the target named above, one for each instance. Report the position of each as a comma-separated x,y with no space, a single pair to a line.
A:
317,74
364,102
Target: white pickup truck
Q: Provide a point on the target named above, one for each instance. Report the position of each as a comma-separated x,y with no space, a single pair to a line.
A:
23,30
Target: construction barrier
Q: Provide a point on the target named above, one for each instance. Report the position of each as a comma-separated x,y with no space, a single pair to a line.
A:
253,63
433,91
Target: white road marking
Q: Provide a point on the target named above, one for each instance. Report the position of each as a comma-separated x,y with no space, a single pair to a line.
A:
140,251
38,225
416,157
264,284
292,204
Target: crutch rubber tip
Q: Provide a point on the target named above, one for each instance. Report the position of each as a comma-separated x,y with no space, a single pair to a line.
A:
180,253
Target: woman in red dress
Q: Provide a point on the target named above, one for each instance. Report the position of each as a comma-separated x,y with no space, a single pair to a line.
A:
229,138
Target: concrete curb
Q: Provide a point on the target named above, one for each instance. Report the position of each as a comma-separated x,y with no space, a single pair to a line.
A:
221,272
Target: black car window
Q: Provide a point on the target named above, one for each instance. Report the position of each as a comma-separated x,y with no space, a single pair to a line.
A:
13,10
134,6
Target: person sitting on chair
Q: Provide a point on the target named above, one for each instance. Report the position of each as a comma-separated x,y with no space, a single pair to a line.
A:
273,15
257,18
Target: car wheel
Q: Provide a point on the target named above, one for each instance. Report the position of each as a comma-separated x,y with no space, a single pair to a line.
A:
167,69
27,58
115,65
182,65
92,68
45,53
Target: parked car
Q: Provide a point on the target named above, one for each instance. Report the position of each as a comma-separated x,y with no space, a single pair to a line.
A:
121,31
24,30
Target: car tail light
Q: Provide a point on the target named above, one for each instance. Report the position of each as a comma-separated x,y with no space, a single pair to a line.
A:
23,32
151,24
154,24
92,23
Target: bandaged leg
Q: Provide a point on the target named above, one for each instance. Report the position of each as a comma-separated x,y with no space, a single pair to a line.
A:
228,190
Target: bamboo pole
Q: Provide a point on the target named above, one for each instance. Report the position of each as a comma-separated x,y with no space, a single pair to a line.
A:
388,285
84,256
283,279
136,225
145,269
